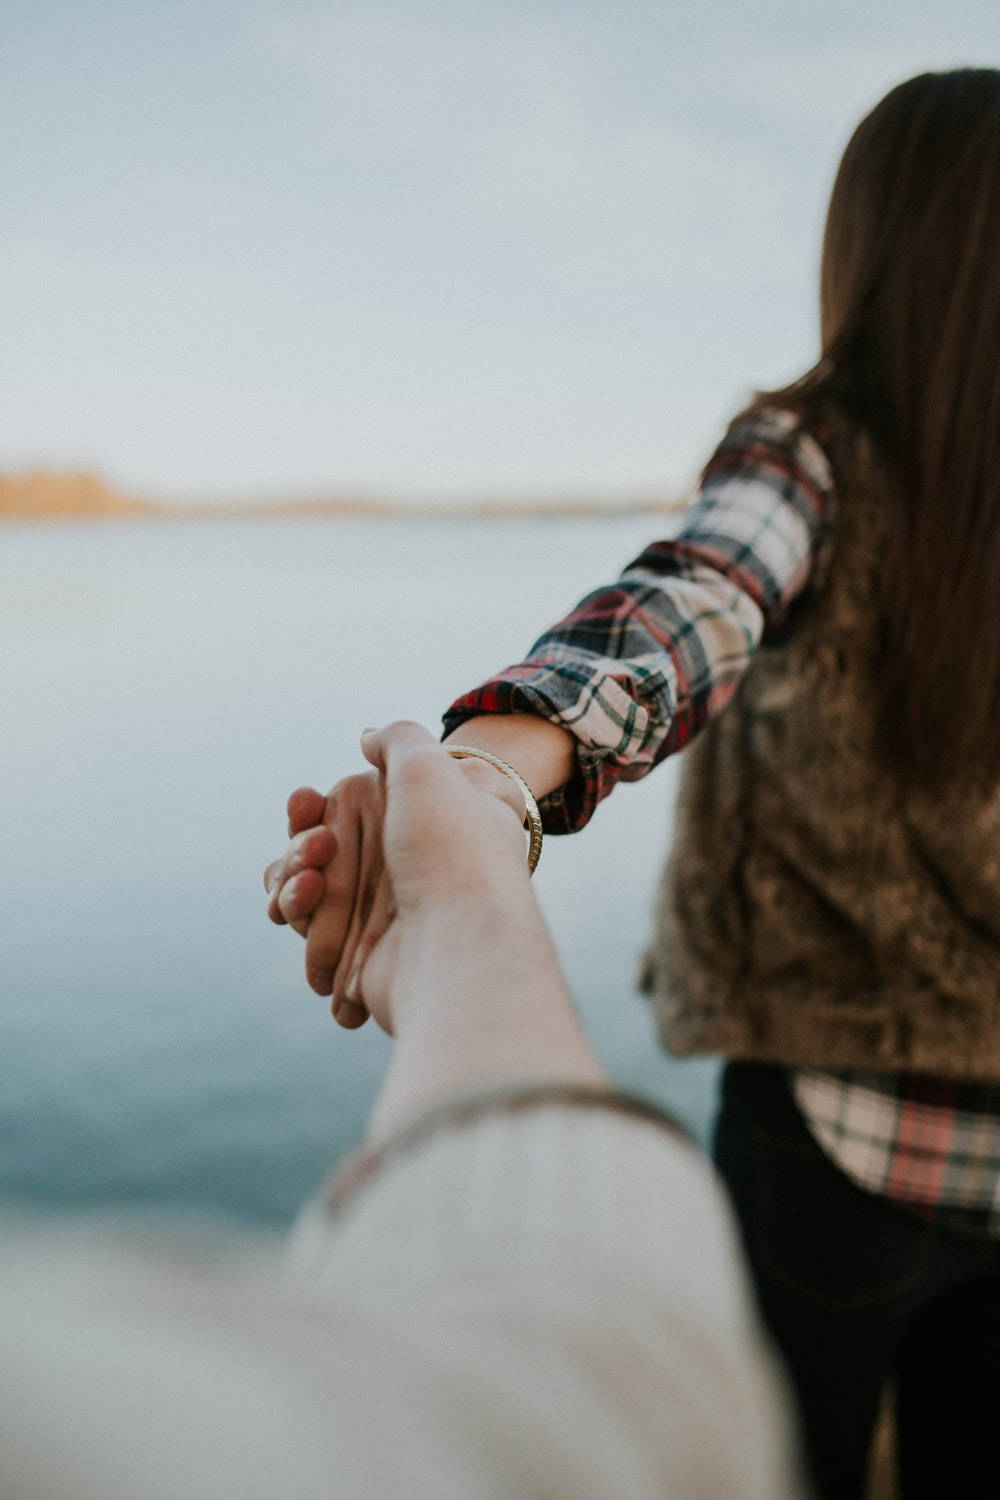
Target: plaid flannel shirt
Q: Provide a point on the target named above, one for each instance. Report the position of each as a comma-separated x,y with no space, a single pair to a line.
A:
636,670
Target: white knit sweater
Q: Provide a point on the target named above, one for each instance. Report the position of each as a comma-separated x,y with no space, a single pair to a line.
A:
538,1303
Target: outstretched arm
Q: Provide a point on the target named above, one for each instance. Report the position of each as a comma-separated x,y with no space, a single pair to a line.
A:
639,667
625,680
465,977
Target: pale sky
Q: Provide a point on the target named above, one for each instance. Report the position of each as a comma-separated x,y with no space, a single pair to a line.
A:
423,249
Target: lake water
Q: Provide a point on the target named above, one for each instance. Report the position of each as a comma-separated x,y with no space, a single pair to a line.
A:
164,685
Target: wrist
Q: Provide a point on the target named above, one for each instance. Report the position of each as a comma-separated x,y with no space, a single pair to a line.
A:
481,768
486,939
517,794
542,752
479,1000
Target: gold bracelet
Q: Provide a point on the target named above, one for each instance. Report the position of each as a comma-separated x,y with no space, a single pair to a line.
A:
532,817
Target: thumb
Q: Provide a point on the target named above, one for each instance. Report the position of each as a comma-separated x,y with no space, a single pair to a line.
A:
404,750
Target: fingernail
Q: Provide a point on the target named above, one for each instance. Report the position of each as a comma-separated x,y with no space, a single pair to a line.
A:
352,992
366,732
290,888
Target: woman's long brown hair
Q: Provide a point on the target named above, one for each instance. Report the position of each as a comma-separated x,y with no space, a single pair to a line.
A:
910,337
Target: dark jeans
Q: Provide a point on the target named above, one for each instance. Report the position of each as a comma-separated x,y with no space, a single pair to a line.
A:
853,1291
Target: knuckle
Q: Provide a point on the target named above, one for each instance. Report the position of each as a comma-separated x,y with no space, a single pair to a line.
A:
416,771
350,793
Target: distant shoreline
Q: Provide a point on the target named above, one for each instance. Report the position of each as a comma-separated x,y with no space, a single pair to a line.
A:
45,496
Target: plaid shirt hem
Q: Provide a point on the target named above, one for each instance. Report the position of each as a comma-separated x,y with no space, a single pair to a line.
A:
930,1145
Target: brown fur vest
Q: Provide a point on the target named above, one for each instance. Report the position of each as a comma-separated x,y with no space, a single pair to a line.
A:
812,912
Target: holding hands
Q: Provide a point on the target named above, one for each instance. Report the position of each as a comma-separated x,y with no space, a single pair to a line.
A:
433,914
356,858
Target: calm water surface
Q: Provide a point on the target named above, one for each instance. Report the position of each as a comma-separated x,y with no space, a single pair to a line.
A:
165,684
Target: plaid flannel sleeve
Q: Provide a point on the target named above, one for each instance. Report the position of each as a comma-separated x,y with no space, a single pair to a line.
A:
637,668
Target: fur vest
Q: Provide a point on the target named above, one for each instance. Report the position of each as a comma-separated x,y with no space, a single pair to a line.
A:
813,912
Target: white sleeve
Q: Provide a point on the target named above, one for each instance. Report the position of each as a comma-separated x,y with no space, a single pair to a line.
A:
540,1304
573,1282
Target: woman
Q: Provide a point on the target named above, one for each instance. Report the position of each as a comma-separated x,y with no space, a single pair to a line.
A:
830,917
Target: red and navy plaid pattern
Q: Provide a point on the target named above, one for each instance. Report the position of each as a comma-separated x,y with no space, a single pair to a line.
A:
638,668
929,1144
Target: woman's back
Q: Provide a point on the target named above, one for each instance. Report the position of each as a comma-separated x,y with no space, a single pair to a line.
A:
818,909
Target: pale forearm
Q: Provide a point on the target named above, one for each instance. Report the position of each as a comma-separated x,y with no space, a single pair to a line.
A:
479,1002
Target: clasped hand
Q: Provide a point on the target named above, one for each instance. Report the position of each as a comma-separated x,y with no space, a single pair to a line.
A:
340,881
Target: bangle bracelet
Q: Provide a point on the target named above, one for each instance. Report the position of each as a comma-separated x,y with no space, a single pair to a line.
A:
532,817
